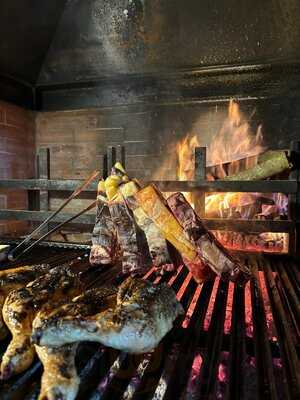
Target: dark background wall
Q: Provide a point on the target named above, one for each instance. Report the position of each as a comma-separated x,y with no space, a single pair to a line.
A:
96,38
54,47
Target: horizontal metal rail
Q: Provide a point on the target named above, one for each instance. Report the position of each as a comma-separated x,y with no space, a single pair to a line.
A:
212,224
276,186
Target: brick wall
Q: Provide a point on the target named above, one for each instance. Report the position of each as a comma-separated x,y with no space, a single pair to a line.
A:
78,141
17,148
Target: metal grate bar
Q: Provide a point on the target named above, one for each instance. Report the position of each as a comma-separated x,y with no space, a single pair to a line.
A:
212,351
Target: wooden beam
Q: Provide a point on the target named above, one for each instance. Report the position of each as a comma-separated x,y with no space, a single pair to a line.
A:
276,186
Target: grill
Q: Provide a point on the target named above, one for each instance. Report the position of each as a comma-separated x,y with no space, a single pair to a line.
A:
232,342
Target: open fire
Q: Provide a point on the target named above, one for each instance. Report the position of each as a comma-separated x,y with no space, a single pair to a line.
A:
235,148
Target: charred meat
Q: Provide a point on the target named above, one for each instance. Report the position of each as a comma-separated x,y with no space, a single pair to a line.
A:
14,278
133,320
21,307
59,379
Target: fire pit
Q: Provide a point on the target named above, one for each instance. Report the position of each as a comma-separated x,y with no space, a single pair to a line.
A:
198,98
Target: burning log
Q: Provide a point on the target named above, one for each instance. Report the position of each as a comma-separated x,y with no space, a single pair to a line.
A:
104,237
154,205
269,163
209,249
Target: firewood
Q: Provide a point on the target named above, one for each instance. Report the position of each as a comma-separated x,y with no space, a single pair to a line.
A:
269,163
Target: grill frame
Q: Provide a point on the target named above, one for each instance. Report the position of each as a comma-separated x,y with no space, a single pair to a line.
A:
165,373
40,189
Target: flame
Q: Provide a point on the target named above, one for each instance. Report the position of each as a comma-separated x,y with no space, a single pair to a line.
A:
236,146
186,157
235,140
185,150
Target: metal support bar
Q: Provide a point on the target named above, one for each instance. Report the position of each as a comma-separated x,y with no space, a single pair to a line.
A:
237,225
200,175
294,202
276,186
43,170
120,155
111,158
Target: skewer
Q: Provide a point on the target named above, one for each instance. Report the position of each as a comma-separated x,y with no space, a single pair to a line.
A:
76,192
56,228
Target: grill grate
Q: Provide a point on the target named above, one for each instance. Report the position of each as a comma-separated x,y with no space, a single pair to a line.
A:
232,343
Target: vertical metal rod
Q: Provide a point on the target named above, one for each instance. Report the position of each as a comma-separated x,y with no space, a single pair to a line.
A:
294,201
44,173
200,174
111,158
120,155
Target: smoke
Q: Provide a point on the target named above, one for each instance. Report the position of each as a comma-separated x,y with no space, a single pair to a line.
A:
117,26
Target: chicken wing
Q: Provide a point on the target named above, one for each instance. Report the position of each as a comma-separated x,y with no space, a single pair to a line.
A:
135,320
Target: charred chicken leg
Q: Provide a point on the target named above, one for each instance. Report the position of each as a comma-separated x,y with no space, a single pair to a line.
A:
59,379
21,307
15,278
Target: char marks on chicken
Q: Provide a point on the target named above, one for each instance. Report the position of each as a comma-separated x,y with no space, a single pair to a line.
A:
134,320
14,278
59,379
20,308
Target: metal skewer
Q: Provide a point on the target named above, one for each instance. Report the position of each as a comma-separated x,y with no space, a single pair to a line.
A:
56,228
76,192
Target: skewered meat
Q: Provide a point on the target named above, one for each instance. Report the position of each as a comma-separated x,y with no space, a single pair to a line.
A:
59,379
157,244
20,308
124,222
209,249
15,278
104,238
141,315
131,238
154,205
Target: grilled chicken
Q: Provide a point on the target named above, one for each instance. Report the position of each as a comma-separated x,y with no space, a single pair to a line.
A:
135,320
15,278
59,380
20,308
